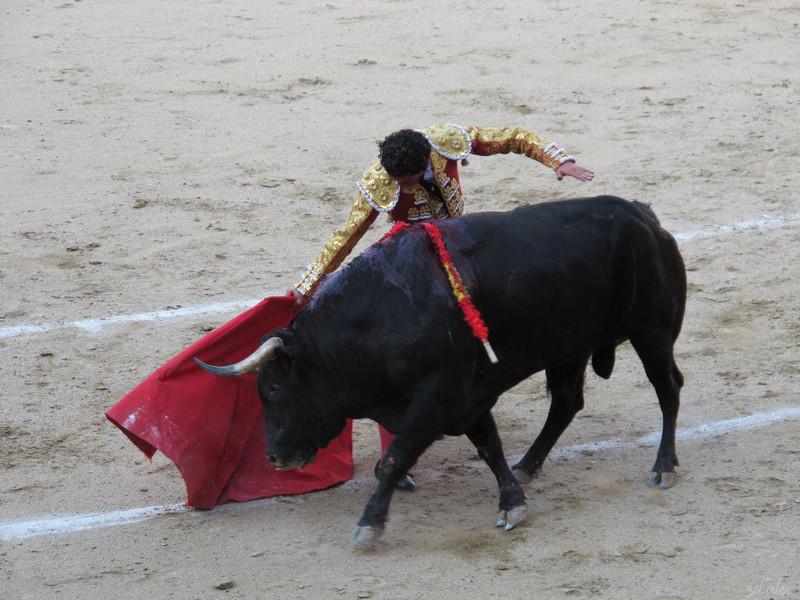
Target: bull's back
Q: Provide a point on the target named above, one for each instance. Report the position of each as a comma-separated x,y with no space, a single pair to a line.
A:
553,282
561,280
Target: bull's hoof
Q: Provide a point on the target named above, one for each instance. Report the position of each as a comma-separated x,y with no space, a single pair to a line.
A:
366,534
524,477
406,484
664,481
511,518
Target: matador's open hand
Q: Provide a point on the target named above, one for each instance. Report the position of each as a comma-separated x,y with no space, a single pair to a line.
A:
573,170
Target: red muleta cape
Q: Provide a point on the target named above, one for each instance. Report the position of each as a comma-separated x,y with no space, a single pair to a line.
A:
212,427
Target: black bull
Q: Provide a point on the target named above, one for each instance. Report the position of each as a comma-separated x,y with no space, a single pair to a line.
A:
557,284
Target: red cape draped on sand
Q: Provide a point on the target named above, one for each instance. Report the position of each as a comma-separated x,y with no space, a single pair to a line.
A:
212,427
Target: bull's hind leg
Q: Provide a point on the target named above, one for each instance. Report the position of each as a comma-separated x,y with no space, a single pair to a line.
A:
512,499
663,373
565,384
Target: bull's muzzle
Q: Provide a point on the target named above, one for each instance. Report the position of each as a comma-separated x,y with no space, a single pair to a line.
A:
301,459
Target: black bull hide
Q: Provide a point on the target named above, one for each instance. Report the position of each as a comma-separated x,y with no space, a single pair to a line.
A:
557,284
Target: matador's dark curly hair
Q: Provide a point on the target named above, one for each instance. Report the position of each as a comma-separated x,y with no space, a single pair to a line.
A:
404,152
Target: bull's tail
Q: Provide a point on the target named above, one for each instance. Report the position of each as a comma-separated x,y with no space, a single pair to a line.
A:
603,361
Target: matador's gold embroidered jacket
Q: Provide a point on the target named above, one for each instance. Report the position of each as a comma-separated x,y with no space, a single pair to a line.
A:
379,193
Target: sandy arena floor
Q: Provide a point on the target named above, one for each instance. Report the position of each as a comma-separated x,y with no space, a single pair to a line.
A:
158,156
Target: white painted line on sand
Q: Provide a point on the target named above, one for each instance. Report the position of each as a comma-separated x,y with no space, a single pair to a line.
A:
94,326
23,529
765,222
707,430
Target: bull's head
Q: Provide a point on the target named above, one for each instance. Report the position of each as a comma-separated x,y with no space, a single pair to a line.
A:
294,428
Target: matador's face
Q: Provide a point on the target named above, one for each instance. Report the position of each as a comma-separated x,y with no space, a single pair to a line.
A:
408,179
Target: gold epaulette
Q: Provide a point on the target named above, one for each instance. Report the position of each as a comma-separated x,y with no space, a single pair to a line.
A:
380,190
450,140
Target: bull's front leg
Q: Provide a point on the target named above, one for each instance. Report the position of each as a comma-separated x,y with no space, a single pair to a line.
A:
401,455
512,499
376,513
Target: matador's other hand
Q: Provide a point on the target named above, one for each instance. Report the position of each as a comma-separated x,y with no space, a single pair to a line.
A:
573,170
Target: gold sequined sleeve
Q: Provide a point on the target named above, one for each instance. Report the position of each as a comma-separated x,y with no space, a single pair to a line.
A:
340,244
503,140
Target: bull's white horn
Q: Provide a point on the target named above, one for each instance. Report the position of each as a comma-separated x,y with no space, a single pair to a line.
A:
266,351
